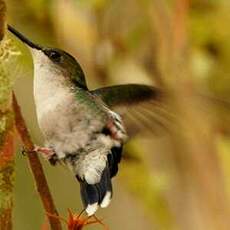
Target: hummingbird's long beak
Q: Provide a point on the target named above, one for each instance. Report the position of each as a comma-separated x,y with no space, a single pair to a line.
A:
23,38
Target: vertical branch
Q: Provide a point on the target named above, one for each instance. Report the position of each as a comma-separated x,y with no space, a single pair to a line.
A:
200,189
180,25
6,143
36,167
199,199
2,18
7,179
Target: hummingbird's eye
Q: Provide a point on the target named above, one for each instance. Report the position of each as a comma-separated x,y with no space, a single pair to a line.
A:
54,56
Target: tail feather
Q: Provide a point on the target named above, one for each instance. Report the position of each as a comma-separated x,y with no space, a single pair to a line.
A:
102,186
94,195
100,194
109,191
89,193
114,159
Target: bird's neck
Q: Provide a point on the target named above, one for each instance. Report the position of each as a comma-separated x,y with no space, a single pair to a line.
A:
50,89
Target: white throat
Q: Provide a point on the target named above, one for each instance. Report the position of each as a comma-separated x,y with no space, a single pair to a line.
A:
49,83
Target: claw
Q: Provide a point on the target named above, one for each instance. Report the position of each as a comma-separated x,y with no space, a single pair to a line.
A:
23,151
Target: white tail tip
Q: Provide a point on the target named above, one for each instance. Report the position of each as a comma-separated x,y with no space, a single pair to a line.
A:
91,209
106,200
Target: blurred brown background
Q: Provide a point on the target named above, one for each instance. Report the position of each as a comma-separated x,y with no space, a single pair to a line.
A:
174,181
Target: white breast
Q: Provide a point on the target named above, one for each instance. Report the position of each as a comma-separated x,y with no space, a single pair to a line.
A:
65,123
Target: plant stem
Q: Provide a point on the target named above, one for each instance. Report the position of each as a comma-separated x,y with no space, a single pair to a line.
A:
36,167
2,18
7,180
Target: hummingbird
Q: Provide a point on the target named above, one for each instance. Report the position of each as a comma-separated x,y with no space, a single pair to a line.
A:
86,129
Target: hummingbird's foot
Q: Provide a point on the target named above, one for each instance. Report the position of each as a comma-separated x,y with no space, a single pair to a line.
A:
47,153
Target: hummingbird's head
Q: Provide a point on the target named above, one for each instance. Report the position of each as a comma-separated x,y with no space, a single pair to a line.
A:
53,60
61,61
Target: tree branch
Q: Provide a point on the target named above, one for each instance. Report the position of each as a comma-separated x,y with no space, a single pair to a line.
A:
6,141
36,167
7,179
2,18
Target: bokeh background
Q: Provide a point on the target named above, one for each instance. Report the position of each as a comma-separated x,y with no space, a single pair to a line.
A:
169,181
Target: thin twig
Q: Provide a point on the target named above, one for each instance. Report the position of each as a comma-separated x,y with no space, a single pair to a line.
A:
36,167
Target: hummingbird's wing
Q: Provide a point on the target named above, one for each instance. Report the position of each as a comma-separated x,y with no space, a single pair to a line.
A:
142,107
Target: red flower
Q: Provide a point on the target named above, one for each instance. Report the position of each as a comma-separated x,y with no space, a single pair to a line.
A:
77,222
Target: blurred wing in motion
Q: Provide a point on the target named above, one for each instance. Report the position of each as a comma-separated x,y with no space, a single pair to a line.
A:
142,107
